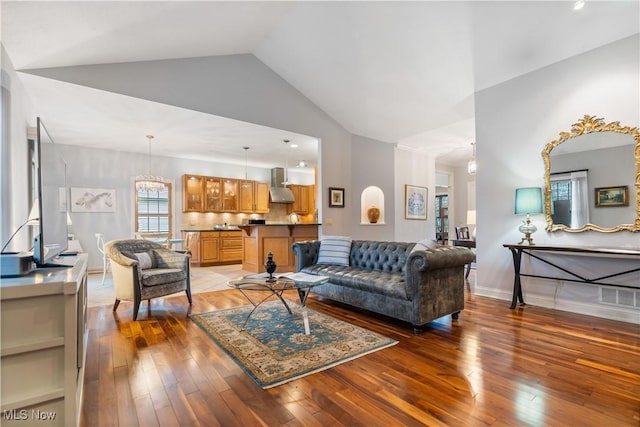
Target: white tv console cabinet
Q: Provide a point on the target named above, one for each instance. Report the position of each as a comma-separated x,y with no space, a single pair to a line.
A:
43,319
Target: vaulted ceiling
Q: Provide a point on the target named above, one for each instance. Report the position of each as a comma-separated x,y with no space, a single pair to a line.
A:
399,72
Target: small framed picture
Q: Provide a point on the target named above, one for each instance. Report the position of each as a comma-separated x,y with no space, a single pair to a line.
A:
612,196
415,202
336,197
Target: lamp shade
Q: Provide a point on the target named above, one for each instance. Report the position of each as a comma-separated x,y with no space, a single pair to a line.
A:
528,200
471,217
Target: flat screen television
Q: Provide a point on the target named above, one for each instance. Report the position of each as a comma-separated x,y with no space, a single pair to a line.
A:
51,236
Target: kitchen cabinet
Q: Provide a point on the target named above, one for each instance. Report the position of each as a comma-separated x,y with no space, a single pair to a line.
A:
230,246
259,240
301,199
217,194
230,195
254,197
211,247
212,194
192,193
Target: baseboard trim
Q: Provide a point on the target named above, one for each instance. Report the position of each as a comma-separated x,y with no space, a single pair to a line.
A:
596,310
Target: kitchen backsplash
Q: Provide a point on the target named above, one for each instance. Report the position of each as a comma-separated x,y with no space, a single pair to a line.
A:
203,221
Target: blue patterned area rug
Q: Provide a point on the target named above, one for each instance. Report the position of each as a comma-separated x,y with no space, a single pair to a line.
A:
273,349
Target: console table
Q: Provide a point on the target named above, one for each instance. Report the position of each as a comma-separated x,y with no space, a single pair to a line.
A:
467,243
518,250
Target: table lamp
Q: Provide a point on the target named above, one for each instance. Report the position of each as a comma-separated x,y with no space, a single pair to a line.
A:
528,201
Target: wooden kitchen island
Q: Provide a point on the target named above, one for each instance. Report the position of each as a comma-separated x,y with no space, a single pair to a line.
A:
260,239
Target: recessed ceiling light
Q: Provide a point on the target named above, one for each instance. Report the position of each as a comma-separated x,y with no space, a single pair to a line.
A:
294,145
578,5
302,164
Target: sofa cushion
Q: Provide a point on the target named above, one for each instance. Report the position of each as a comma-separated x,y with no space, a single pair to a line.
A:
372,281
334,250
389,257
162,276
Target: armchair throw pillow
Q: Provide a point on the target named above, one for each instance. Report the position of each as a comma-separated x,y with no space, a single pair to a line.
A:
334,250
146,259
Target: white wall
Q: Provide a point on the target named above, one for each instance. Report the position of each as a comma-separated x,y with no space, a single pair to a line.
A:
514,121
14,163
414,168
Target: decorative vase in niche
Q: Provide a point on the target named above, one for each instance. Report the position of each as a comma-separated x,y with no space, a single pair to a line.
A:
270,266
373,214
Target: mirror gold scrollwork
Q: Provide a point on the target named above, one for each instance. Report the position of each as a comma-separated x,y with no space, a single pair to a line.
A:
595,160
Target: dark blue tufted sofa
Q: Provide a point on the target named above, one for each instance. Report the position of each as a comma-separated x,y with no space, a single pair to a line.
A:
388,278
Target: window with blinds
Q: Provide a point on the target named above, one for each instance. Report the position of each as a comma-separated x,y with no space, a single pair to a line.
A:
153,212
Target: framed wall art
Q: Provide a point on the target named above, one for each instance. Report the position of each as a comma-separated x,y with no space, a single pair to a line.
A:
415,202
336,197
93,199
612,196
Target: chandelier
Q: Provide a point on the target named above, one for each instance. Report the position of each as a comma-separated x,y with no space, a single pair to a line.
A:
471,166
149,183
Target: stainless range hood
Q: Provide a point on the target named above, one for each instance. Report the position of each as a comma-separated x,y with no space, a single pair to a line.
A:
278,192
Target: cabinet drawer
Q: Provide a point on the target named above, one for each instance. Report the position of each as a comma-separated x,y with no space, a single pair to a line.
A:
230,244
234,233
231,255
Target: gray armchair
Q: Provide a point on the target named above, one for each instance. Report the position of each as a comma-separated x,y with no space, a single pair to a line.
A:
143,270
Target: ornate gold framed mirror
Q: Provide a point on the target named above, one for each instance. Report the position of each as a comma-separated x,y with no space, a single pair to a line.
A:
595,161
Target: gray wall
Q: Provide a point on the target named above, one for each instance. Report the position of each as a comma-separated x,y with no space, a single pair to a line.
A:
234,86
373,165
514,121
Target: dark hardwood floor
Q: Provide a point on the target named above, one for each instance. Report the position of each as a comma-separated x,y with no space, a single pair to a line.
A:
494,366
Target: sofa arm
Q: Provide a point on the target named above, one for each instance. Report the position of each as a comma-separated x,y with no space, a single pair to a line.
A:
421,264
306,253
449,256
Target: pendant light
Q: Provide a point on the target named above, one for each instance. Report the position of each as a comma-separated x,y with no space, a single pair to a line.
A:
149,183
471,166
286,166
245,184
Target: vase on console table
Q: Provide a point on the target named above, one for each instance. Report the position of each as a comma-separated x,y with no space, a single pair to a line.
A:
270,266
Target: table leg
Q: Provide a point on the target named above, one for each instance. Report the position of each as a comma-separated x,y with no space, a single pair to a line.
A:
276,292
303,294
517,284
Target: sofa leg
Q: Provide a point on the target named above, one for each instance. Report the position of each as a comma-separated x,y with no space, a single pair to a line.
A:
455,315
417,330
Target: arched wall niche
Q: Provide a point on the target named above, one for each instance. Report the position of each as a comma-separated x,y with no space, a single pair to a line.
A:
371,197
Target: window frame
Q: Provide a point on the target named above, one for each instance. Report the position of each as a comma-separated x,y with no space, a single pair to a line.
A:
168,215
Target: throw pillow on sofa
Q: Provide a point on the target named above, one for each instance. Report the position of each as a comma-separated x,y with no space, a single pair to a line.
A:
334,250
425,245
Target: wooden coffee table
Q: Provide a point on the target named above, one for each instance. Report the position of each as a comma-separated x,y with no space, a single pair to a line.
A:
301,282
